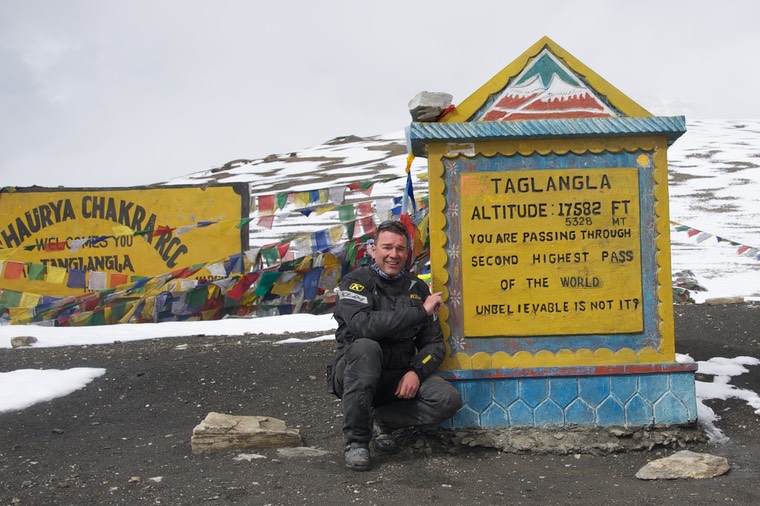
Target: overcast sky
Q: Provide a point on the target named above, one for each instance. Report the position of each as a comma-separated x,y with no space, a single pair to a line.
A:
116,93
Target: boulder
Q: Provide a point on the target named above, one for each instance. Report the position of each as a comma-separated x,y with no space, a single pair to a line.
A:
22,341
220,432
684,464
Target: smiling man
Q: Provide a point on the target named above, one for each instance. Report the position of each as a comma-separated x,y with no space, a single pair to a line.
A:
389,345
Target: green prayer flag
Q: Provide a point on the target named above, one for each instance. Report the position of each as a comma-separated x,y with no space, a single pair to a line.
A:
243,222
10,298
266,281
270,255
346,213
347,217
351,252
118,311
36,272
196,298
282,199
350,230
97,318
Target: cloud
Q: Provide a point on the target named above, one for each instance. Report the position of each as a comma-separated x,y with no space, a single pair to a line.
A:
102,93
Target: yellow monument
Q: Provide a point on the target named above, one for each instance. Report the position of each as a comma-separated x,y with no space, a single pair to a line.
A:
550,242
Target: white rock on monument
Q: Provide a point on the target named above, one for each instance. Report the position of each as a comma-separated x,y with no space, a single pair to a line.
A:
427,106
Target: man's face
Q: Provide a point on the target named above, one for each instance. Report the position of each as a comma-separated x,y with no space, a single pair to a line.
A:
389,252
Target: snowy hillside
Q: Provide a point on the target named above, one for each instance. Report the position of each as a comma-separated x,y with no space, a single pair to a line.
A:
714,188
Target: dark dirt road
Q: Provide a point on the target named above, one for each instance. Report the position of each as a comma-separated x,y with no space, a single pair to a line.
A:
125,438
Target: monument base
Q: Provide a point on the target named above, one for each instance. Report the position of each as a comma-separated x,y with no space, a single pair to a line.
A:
568,440
636,395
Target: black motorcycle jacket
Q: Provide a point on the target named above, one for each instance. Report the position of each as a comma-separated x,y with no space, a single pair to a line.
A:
391,313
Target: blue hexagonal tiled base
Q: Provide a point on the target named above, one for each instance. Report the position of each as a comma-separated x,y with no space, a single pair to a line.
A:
630,396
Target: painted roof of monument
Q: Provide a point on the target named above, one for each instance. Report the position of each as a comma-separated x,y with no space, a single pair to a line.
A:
545,82
546,92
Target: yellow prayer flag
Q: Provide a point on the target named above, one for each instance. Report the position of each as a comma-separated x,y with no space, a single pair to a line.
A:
304,264
80,319
122,230
286,288
29,299
147,312
330,260
55,275
336,233
323,209
129,311
226,227
424,229
20,315
302,199
108,315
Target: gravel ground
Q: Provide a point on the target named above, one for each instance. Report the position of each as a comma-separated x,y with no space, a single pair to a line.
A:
125,438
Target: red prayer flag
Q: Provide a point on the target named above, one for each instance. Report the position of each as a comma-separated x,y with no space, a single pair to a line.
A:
266,204
243,285
365,208
55,246
266,221
13,270
161,231
283,248
117,279
368,225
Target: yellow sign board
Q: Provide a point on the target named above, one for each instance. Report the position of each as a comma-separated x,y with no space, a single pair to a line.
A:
142,231
551,252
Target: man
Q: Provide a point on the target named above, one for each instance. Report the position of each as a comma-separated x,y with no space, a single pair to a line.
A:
389,345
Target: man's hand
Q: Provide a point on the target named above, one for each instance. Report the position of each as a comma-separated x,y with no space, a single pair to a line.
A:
433,303
408,386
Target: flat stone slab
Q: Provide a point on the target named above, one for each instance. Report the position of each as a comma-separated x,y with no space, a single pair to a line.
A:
221,432
301,452
684,464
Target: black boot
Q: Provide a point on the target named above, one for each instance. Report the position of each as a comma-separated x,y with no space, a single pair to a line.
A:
357,456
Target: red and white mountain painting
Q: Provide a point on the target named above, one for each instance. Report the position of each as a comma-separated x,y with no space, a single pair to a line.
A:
546,89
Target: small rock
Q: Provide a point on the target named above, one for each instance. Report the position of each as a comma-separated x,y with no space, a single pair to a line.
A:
722,301
21,341
135,479
249,457
684,464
